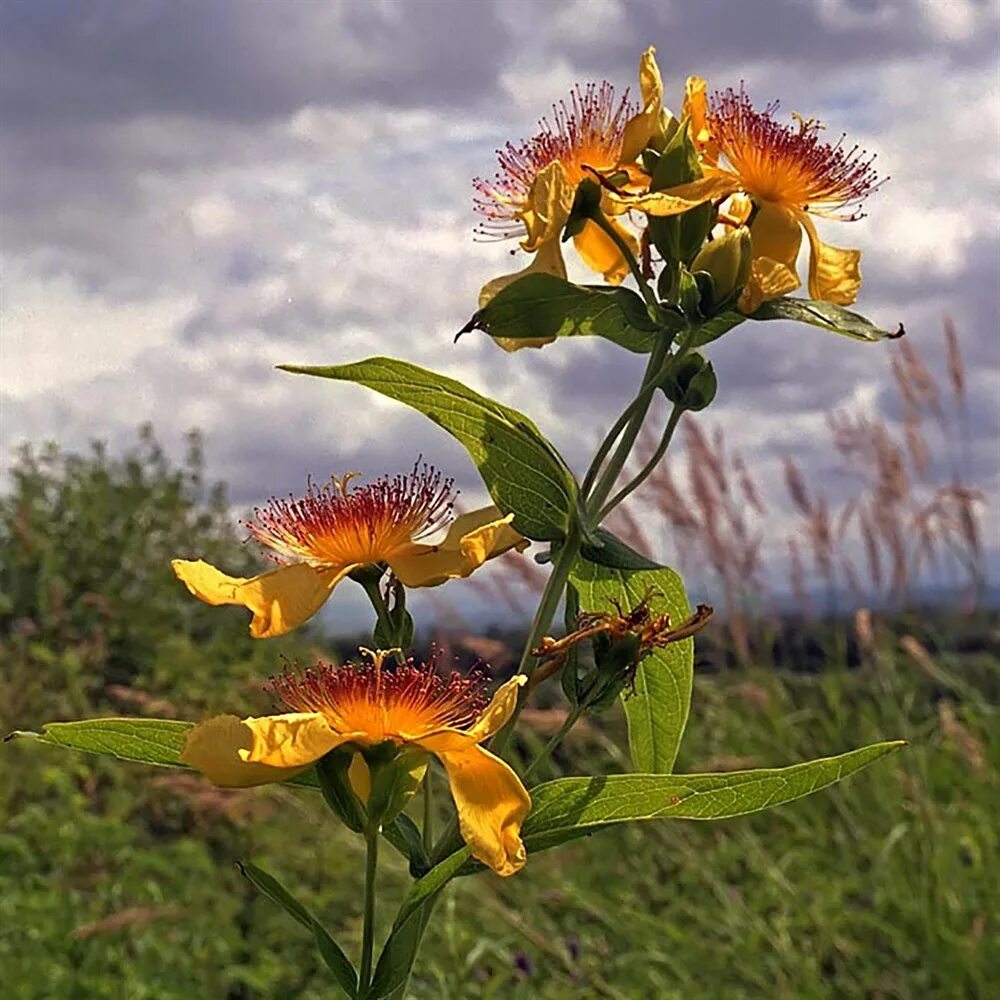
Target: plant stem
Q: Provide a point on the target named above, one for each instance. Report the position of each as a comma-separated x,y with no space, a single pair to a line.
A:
378,602
547,608
368,928
637,414
570,721
647,469
427,833
659,366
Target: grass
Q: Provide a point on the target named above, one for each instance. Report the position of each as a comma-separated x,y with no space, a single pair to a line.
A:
119,881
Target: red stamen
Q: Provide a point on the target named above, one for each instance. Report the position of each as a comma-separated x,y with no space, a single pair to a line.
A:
790,165
376,698
585,131
339,525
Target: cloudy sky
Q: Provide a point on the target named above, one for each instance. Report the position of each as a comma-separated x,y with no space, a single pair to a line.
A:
193,192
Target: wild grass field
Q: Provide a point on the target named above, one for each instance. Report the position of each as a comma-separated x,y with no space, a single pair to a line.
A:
120,881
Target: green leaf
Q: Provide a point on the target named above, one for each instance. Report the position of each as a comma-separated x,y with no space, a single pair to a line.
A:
335,959
658,709
400,949
542,305
568,808
715,327
159,742
614,553
147,741
826,316
525,475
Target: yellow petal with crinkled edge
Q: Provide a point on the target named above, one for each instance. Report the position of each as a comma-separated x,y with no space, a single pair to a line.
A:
776,234
499,710
296,739
600,253
834,273
549,203
695,110
280,600
675,200
768,280
491,804
472,539
218,747
639,128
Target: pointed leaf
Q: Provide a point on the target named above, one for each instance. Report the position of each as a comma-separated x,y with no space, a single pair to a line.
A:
826,316
573,807
523,472
335,959
147,741
542,305
657,711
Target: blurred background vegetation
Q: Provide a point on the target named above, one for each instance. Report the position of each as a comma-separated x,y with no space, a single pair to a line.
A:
118,881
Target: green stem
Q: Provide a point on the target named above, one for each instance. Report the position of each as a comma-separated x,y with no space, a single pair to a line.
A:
368,928
647,469
570,721
658,368
547,608
637,414
378,602
427,833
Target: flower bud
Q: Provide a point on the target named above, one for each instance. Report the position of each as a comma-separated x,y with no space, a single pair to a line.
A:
692,384
728,260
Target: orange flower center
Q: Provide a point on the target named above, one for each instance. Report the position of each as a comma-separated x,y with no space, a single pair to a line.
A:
339,526
385,702
585,131
788,164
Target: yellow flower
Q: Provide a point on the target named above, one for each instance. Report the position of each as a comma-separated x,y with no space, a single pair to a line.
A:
337,529
412,706
532,194
791,177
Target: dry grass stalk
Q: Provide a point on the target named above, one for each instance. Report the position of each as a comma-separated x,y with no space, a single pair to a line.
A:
131,918
961,738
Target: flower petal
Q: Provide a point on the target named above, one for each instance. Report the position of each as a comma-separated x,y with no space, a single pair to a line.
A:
768,280
834,273
695,109
640,127
777,234
221,747
471,540
600,253
491,804
675,200
280,600
550,201
493,719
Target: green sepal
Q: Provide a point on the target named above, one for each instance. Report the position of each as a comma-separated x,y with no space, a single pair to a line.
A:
678,238
615,668
692,384
331,769
689,296
826,316
395,778
586,204
728,261
395,629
